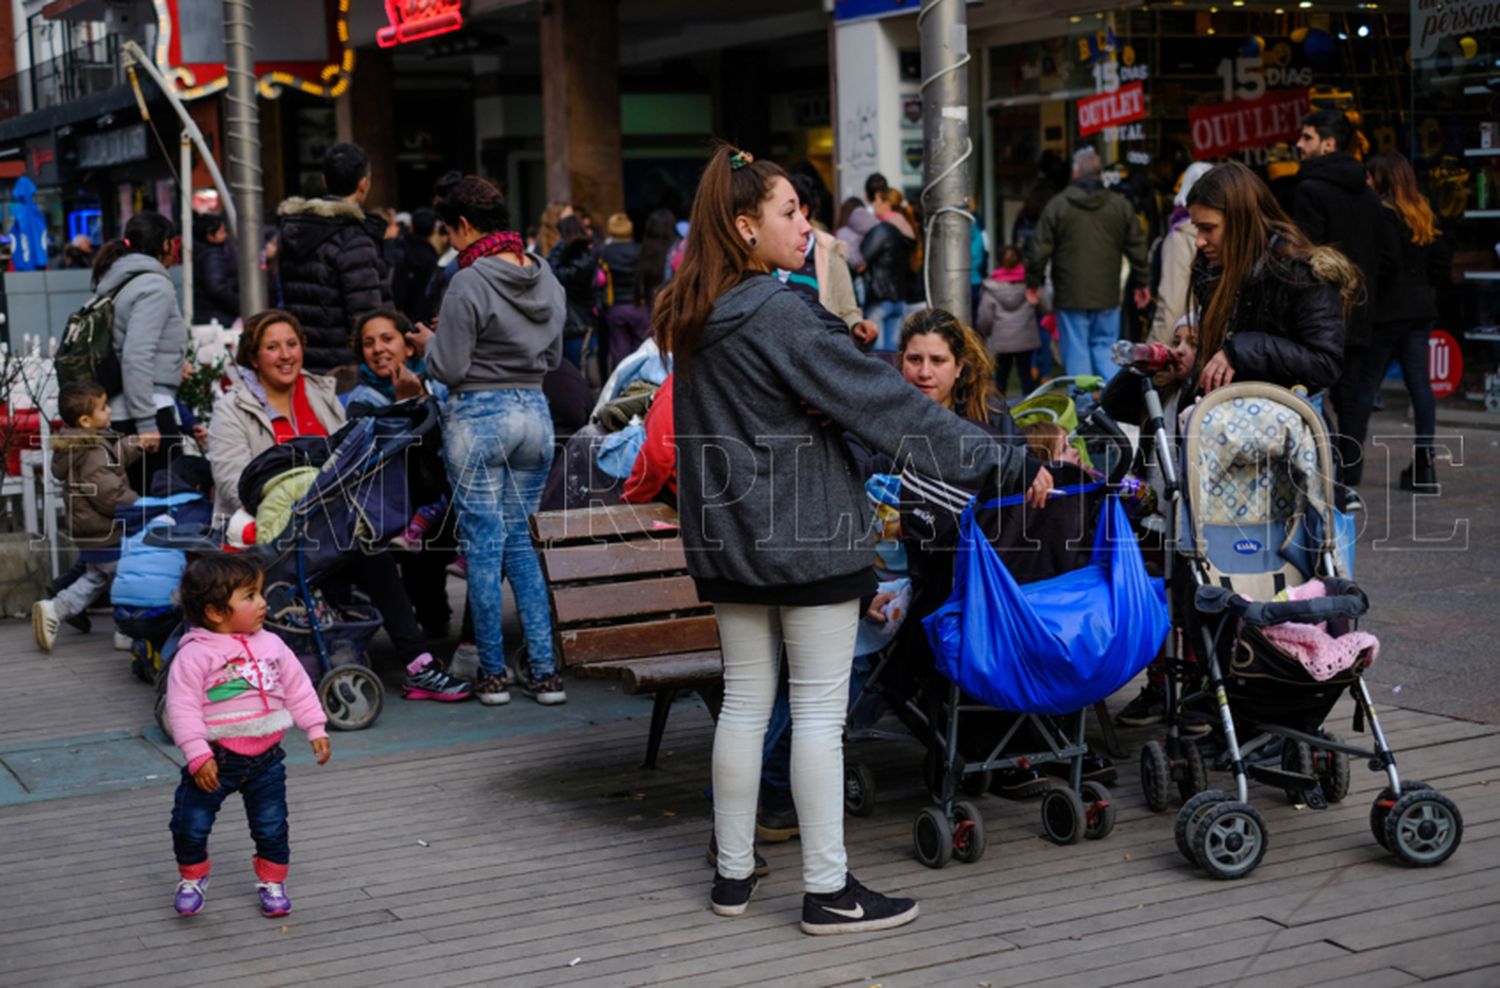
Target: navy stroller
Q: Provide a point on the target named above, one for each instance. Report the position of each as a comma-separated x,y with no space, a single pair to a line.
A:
359,499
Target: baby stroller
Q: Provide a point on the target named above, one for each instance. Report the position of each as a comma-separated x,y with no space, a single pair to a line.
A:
1255,519
358,499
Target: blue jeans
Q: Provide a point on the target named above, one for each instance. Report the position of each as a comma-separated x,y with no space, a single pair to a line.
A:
887,316
1087,335
498,449
261,779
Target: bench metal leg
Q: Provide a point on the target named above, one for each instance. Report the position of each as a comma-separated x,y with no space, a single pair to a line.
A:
660,707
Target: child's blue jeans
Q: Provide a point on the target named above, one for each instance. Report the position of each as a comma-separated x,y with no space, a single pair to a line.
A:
261,780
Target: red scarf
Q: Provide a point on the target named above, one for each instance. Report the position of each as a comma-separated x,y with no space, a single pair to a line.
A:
500,242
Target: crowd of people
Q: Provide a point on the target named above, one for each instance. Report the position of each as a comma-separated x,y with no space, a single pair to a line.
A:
699,340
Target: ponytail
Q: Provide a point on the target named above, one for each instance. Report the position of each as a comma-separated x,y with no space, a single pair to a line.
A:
146,233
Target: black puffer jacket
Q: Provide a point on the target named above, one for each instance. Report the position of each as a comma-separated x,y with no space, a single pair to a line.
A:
1421,269
332,270
574,264
1335,208
1288,323
887,254
216,283
620,257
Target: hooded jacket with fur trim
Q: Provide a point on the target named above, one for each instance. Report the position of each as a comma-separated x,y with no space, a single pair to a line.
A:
332,270
241,692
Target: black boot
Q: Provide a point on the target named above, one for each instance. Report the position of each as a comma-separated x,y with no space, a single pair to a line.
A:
1421,475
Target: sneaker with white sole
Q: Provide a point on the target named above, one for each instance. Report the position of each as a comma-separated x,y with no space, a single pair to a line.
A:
493,690
854,909
273,899
426,680
44,622
123,643
190,894
548,691
731,896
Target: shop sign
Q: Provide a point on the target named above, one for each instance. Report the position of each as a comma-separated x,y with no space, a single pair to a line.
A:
413,20
1125,105
1445,363
1223,128
1434,20
112,147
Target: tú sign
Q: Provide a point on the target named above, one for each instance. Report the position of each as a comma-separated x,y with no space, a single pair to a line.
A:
413,20
1223,128
1445,363
1125,105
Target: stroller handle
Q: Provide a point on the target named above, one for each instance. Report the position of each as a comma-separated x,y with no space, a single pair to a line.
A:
1345,600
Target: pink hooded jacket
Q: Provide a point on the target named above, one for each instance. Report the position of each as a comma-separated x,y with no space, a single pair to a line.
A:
239,691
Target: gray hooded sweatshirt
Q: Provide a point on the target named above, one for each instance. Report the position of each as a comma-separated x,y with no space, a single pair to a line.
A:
150,336
772,507
500,327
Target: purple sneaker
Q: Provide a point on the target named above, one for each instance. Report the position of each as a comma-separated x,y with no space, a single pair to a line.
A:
273,900
189,899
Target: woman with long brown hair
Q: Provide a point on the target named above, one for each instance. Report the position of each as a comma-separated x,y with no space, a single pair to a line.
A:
773,513
1407,310
1269,305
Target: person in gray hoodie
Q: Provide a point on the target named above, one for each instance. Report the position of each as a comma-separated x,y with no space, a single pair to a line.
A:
150,338
500,330
774,515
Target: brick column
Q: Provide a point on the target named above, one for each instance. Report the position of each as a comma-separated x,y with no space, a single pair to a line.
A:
581,105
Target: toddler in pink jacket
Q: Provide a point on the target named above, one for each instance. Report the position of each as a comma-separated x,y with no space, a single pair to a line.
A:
233,690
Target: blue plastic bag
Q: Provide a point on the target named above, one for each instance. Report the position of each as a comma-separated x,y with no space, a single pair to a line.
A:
1054,646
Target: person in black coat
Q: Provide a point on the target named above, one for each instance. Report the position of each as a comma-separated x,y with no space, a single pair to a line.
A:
1405,312
887,250
412,277
332,258
1336,208
576,266
216,275
1270,306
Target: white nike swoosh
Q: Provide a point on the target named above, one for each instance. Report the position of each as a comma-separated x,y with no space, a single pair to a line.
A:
858,912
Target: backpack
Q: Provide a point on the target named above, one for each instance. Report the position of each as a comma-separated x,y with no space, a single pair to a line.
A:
87,351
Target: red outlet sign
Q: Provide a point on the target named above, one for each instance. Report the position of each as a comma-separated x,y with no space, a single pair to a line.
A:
1125,105
413,20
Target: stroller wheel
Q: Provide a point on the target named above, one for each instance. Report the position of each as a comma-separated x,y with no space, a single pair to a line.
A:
1333,769
1156,772
932,835
1423,828
1230,840
1063,816
1193,778
161,715
969,842
859,789
1382,807
1098,811
1190,815
352,697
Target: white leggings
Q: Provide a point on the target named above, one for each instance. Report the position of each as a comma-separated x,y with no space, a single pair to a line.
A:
820,651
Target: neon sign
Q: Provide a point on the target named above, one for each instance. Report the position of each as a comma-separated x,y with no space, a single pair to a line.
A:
413,20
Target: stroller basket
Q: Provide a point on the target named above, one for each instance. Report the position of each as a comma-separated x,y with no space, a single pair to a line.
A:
347,637
1266,685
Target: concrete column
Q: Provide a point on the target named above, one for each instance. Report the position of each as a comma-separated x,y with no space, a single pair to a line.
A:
580,45
867,105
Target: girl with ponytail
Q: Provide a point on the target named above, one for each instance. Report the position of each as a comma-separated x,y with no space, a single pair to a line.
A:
773,514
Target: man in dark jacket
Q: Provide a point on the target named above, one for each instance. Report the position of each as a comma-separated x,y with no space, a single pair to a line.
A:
412,277
216,276
332,265
1084,233
1335,208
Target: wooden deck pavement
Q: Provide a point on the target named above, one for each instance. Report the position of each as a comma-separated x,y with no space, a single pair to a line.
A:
551,859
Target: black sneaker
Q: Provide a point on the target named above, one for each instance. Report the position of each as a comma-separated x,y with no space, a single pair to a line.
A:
730,896
855,909
1018,783
1353,503
761,868
776,826
1149,707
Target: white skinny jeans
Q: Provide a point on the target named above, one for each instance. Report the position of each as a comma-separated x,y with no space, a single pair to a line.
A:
820,651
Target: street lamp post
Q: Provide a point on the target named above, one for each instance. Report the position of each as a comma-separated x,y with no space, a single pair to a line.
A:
242,148
947,151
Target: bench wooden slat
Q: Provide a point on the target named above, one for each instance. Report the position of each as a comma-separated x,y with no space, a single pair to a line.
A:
672,672
637,598
633,641
609,524
639,557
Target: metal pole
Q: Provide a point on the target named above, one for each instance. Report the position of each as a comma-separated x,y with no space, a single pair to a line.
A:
947,150
135,57
241,117
186,178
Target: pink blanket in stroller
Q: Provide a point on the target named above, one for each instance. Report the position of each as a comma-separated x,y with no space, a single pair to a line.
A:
1321,654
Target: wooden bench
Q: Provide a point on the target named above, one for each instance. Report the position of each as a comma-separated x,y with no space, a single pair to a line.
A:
624,607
